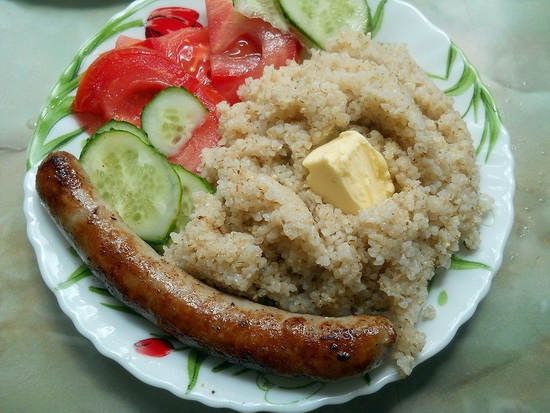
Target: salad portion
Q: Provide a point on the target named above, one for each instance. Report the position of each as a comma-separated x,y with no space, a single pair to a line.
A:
164,90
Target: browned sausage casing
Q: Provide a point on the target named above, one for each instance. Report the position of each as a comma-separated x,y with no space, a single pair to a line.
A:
237,329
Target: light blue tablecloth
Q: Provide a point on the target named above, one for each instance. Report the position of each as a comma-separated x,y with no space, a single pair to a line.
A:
498,362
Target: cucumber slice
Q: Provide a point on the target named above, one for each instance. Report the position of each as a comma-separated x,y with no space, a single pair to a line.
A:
114,124
136,180
319,20
189,183
170,118
267,10
193,182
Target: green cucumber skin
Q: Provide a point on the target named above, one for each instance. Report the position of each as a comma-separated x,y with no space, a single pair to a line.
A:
267,10
120,125
168,133
299,25
190,183
193,181
129,173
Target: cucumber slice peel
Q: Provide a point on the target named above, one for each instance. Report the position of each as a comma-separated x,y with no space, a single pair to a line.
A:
171,117
319,20
122,125
190,183
267,10
136,180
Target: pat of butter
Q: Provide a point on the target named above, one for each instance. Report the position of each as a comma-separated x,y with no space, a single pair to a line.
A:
349,173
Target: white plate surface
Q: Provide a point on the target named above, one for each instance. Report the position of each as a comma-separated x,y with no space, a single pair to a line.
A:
185,372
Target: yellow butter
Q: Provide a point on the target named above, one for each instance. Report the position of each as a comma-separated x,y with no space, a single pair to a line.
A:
349,173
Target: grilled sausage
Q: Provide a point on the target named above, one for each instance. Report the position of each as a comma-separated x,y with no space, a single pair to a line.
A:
234,328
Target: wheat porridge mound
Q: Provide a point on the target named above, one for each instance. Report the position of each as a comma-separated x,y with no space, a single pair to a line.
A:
266,236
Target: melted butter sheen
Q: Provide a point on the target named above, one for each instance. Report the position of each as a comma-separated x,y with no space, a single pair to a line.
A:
349,173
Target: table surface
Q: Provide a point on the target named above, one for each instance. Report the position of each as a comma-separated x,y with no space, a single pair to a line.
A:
498,362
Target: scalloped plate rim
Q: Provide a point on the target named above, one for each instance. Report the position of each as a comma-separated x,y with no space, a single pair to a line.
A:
37,228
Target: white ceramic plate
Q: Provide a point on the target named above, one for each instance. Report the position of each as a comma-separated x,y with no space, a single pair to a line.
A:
186,372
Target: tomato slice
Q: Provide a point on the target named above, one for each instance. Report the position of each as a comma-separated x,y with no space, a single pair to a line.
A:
126,41
165,20
242,47
120,82
188,47
205,136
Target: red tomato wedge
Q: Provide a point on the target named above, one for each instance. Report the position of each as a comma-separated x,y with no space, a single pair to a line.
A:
126,41
165,20
242,47
121,81
188,48
205,136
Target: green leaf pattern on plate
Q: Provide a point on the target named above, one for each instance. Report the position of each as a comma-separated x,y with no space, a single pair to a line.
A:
194,362
61,97
277,391
442,298
120,307
99,290
375,21
458,263
481,98
80,273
